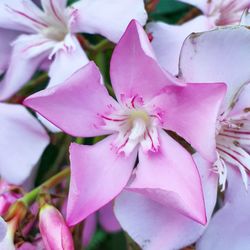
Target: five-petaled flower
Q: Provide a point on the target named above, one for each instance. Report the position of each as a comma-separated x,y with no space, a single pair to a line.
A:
149,101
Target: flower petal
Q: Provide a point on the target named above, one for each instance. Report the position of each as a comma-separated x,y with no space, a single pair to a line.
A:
134,70
7,37
215,56
119,14
90,225
23,141
94,182
75,105
229,227
163,178
147,221
77,59
107,219
54,8
20,70
185,111
21,15
168,39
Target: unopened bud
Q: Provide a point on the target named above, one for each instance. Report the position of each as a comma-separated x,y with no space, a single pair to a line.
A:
55,233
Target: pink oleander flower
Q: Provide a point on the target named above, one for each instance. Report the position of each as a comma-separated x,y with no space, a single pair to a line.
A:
49,33
149,101
219,60
23,141
214,13
55,233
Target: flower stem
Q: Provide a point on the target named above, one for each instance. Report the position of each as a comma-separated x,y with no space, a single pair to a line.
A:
30,197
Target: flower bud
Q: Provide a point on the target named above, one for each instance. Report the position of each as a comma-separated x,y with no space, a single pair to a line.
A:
55,233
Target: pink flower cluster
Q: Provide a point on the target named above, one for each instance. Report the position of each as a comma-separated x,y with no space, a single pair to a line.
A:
173,127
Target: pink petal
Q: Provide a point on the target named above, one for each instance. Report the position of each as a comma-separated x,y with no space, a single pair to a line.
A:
77,59
170,177
107,219
74,105
185,111
90,225
147,221
113,19
20,15
94,182
229,226
225,62
7,37
20,71
134,69
23,141
168,39
54,7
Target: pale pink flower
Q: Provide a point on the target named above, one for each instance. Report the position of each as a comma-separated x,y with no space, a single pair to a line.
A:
214,13
149,101
49,33
228,61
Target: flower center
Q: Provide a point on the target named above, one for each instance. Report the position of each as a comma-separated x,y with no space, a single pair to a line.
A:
233,135
135,127
55,31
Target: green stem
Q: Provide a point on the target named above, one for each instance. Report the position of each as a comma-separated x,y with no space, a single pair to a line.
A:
103,45
30,197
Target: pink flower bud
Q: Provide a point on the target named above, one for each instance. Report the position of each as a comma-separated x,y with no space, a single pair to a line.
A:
55,233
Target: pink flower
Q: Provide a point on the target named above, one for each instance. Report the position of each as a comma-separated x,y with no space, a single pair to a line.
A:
214,13
149,101
219,60
55,233
50,33
23,141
